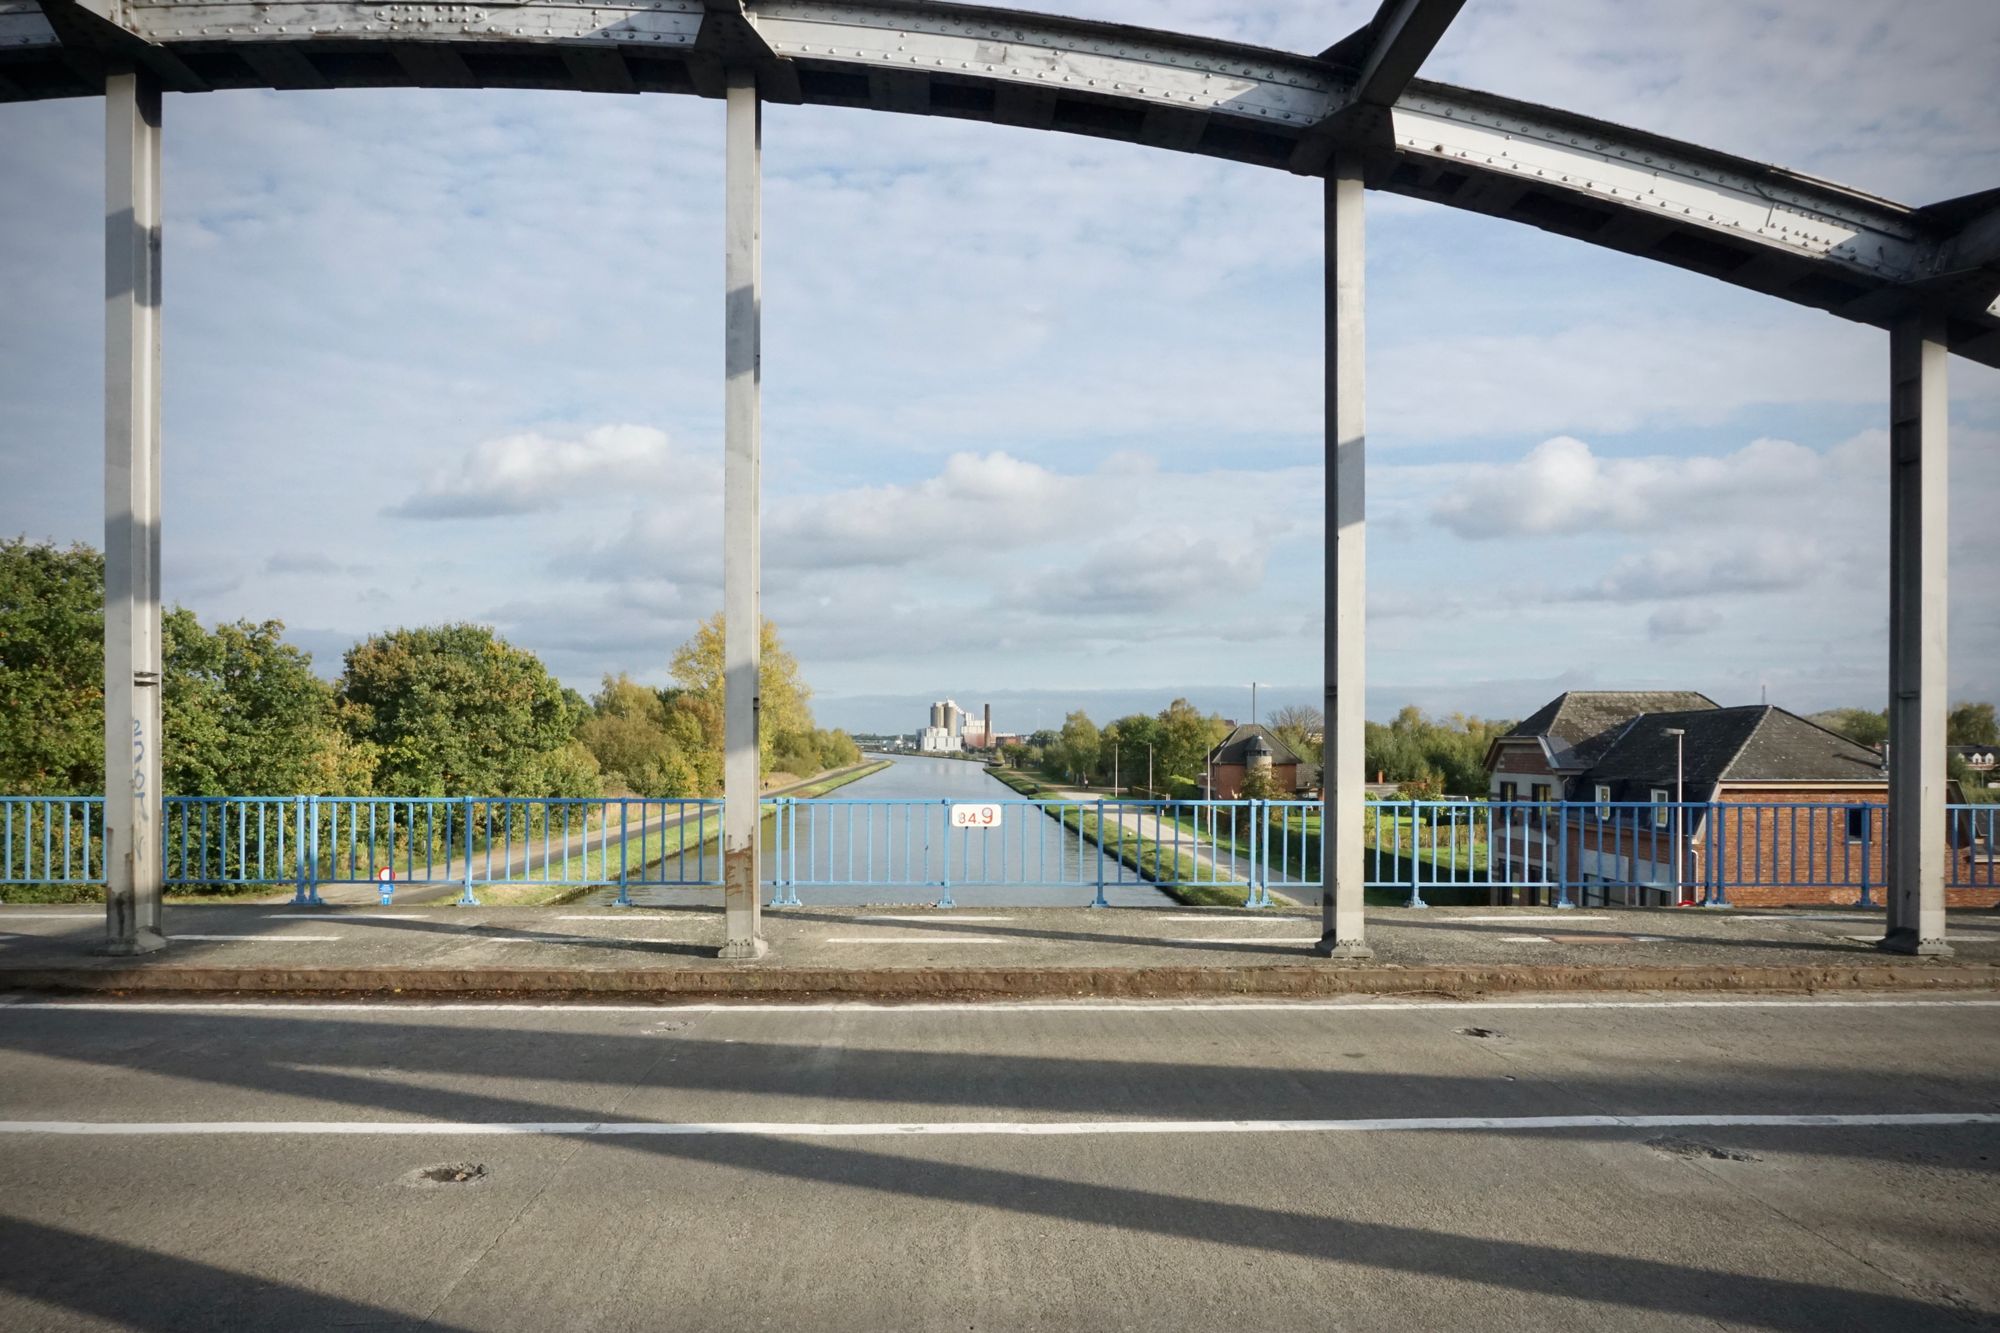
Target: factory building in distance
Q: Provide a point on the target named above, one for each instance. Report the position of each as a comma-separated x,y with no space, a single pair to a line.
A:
951,731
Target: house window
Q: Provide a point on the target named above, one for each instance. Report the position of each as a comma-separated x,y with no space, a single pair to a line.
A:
1603,802
1661,809
1508,791
1857,823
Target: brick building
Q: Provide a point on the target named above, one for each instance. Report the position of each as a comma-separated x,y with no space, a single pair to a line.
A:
1253,745
1778,810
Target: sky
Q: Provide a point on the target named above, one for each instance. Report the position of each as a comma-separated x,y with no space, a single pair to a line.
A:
1042,414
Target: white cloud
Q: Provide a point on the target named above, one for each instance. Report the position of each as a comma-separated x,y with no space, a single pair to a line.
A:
523,474
1563,488
1682,621
1775,562
978,500
1173,572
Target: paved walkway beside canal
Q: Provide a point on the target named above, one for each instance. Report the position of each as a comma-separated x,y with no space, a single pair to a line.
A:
1001,952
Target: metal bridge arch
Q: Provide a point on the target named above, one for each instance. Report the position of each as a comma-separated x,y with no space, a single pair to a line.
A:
1355,114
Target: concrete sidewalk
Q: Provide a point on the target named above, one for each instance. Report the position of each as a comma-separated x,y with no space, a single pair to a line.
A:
901,953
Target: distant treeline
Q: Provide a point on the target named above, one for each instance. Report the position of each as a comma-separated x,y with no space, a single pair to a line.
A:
442,710
1426,756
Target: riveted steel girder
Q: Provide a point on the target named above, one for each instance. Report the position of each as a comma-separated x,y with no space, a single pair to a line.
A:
1803,240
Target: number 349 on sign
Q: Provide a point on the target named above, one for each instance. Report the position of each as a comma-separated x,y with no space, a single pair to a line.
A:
975,816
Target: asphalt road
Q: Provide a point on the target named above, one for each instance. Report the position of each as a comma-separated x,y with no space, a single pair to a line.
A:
951,1167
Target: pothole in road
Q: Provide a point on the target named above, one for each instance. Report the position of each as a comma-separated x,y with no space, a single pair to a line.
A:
447,1174
1695,1150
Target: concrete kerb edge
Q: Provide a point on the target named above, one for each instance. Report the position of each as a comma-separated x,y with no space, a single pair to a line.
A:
972,984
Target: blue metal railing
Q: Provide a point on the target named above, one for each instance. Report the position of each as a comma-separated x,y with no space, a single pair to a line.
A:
1564,853
308,841
1095,844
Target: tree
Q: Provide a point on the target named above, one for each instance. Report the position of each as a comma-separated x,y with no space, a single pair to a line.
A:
1077,745
1185,738
1302,727
628,730
1971,724
783,700
243,712
1129,736
1258,786
1433,756
454,710
244,715
51,669
1857,724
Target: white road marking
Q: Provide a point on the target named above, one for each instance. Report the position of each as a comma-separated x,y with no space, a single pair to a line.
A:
1494,920
933,919
629,914
348,916
972,1128
259,939
1334,1006
1796,916
1524,939
585,939
1877,939
1238,939
1204,919
918,939
51,916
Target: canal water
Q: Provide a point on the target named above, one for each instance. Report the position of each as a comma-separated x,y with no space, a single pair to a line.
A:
887,840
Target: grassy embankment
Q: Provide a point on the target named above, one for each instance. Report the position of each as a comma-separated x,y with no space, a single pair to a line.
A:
1400,839
1168,869
1395,835
597,867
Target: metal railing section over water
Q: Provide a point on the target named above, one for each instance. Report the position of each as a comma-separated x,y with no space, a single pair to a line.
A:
1564,853
308,841
1093,844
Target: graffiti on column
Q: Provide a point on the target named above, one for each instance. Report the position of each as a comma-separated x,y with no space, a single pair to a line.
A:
141,806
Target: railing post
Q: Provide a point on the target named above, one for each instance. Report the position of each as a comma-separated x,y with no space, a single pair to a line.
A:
1562,857
466,899
624,867
1416,898
944,876
1718,850
299,851
783,870
1867,847
312,854
1100,900
1259,894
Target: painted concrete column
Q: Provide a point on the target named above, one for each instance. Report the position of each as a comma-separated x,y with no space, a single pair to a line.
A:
1342,772
1918,495
742,577
132,812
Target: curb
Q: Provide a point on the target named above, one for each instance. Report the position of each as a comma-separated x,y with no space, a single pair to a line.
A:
977,984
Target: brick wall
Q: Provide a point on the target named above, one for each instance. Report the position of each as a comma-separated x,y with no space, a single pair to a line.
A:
1775,857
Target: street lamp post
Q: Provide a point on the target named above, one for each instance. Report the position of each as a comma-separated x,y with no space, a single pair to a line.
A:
1680,736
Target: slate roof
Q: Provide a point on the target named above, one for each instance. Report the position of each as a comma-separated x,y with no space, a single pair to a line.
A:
1755,743
1235,747
1581,725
